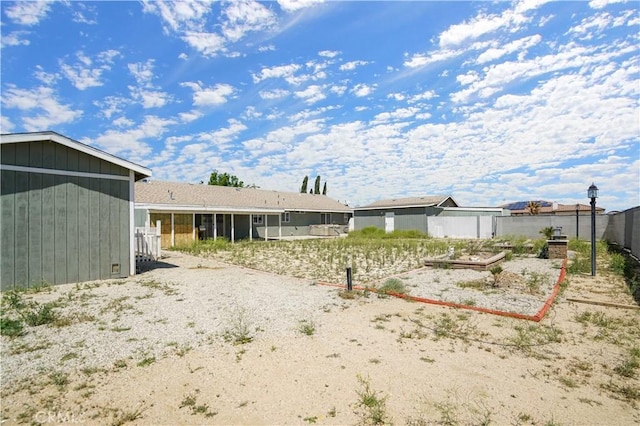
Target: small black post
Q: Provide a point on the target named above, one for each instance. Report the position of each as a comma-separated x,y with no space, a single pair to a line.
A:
349,280
592,193
577,221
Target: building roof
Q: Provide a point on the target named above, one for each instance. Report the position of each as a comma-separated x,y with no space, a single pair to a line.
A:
140,171
425,201
548,207
175,196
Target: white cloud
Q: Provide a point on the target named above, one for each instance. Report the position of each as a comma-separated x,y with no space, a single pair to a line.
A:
273,94
251,113
243,16
223,136
6,126
398,114
112,105
511,19
150,98
329,53
601,4
131,143
350,66
28,12
41,101
210,96
338,89
500,75
361,90
142,72
47,78
84,74
295,5
209,44
470,77
311,94
282,71
15,38
520,45
123,122
421,59
82,11
144,92
189,116
424,96
180,15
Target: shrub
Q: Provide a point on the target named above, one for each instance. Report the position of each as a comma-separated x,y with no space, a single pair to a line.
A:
393,285
496,271
40,314
547,232
205,246
617,263
306,327
579,265
10,327
371,232
368,232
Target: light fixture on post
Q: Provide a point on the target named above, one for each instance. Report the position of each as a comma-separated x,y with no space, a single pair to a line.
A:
577,221
592,193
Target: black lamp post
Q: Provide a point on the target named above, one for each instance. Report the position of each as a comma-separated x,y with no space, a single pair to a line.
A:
577,221
592,193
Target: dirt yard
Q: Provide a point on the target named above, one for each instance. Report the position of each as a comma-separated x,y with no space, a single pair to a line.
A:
199,341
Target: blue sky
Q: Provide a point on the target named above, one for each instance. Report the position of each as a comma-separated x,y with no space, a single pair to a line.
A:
490,102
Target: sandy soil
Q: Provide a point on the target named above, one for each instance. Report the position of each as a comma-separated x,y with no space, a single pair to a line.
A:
411,363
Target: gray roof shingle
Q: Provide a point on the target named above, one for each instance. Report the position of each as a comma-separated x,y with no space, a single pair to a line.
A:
432,200
224,198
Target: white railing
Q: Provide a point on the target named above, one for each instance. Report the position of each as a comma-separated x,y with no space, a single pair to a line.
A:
147,241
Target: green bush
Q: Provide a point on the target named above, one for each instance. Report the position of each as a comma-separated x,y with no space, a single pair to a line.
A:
580,265
410,234
617,264
393,285
368,232
371,232
10,327
547,232
205,246
40,314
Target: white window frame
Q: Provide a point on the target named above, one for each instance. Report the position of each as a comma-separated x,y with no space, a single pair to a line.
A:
286,217
258,219
325,218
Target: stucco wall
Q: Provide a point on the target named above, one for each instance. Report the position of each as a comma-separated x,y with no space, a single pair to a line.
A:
530,226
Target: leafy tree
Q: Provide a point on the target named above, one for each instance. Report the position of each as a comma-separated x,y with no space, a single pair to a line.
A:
305,182
317,185
324,189
225,179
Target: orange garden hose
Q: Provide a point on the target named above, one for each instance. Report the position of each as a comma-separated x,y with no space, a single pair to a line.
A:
537,317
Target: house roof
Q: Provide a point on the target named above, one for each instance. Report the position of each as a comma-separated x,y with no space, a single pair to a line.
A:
176,196
140,171
547,207
425,201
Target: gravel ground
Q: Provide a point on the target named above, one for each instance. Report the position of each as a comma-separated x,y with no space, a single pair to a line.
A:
511,295
191,302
